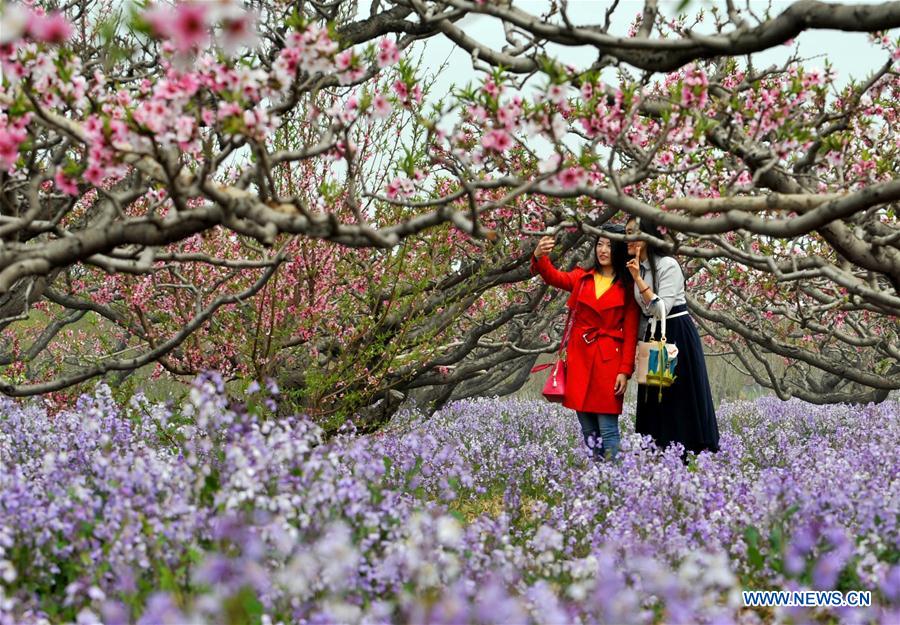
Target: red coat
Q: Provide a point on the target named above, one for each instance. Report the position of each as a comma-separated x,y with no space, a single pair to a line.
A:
602,341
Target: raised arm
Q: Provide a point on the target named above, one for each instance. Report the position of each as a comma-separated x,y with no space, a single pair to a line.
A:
551,275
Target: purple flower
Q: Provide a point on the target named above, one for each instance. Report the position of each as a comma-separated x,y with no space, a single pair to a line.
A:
489,510
890,585
161,610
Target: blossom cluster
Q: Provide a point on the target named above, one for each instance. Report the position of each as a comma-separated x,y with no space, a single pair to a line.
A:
196,94
489,511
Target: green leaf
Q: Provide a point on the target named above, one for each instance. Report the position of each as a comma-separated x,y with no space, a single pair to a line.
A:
776,540
210,488
296,21
244,607
167,579
19,107
754,555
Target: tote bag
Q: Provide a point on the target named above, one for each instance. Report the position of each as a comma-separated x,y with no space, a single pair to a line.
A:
655,360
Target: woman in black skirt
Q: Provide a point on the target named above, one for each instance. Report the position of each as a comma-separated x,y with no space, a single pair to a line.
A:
685,414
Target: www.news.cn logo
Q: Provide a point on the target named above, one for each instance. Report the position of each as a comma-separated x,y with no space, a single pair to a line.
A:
807,598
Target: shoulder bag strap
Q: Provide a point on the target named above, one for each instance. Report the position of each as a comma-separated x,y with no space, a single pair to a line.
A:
570,320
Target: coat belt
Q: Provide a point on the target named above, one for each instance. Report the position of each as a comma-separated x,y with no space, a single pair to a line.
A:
592,334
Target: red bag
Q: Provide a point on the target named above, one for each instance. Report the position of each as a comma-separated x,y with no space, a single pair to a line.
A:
555,386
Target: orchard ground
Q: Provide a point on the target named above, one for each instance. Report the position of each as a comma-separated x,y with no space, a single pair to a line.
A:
489,511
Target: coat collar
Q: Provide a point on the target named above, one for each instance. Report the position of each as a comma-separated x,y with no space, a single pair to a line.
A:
612,298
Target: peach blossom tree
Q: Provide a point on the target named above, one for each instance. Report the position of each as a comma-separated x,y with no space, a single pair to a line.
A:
274,189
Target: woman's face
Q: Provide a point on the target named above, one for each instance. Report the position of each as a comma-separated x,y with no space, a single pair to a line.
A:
634,247
604,252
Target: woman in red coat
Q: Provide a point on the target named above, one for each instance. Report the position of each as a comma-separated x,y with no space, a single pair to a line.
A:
600,353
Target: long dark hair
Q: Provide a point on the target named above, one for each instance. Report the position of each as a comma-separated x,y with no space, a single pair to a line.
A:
654,251
618,254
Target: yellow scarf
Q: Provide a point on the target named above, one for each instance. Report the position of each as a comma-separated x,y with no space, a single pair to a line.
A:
601,284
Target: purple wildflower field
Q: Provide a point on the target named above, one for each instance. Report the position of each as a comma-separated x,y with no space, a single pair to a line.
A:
488,512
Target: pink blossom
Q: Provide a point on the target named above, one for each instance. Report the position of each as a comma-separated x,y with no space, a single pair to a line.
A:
190,30
587,90
186,25
666,159
123,98
167,89
188,83
557,126
491,88
381,106
812,77
10,139
184,128
285,66
354,74
388,53
342,150
344,60
258,123
401,90
497,140
52,28
477,113
572,177
508,116
239,31
229,109
151,115
550,163
94,174
694,88
295,41
13,71
159,19
556,94
399,187
65,184
119,132
347,111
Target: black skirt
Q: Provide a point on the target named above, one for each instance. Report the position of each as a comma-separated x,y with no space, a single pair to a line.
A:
685,414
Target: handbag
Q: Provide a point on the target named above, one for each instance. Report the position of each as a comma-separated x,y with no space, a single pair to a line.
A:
655,360
555,387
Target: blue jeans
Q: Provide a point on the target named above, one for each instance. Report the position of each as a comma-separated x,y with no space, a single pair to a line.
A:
601,434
